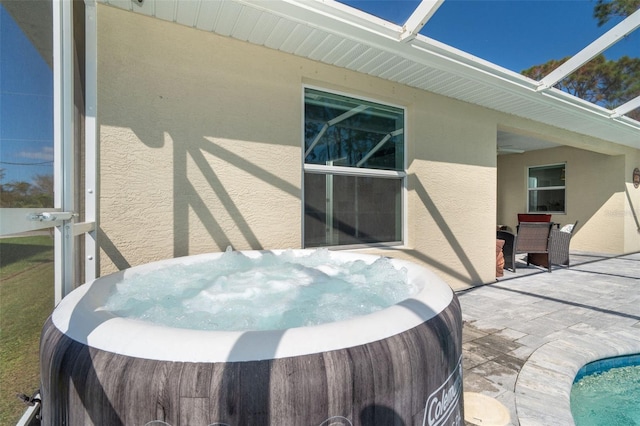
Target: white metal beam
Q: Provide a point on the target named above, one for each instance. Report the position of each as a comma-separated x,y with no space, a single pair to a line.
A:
419,18
628,25
626,107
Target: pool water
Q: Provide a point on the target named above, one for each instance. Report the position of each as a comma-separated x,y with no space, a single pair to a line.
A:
608,396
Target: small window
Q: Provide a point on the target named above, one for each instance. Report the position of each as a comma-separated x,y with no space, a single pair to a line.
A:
353,171
546,187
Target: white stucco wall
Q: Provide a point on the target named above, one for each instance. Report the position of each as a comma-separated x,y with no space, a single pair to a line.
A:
596,196
200,148
197,145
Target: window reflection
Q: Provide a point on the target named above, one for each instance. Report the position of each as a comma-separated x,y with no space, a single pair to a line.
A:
26,106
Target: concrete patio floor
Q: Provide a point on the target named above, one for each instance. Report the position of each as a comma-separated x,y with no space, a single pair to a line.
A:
526,336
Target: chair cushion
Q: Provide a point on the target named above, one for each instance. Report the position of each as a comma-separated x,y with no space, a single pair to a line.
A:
567,228
534,217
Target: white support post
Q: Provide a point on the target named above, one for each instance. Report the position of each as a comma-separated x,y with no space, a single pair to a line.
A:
91,143
63,126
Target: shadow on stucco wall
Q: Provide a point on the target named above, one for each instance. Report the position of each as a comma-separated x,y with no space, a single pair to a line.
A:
110,249
634,209
192,199
450,239
188,117
196,151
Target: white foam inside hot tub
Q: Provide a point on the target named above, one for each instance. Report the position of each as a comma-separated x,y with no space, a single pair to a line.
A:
271,292
82,316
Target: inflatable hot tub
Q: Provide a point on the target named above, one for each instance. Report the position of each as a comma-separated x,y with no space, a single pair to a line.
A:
397,366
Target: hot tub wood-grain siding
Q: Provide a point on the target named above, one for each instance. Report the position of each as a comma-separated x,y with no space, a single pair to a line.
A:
386,382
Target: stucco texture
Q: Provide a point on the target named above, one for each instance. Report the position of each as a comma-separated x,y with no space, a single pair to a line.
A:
596,196
197,150
200,149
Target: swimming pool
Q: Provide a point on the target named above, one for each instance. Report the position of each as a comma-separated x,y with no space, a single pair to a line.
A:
607,392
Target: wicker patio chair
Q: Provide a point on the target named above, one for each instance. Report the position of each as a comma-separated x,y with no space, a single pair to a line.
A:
559,241
533,239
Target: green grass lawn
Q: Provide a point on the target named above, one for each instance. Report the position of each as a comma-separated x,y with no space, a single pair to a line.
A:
26,300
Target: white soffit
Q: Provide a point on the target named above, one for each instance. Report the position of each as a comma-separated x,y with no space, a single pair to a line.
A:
333,33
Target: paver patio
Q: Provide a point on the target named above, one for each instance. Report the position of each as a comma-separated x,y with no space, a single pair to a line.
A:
526,336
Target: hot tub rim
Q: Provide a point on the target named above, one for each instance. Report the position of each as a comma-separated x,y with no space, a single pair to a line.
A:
78,317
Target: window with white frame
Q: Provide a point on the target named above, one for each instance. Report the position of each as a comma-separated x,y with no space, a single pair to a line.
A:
546,188
353,171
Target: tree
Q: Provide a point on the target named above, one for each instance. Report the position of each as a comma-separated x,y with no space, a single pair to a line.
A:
604,82
24,194
43,184
601,81
605,10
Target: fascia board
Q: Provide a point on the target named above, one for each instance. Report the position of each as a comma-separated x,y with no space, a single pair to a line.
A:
449,59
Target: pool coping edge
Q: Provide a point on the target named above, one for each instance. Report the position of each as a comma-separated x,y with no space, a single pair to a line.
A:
557,362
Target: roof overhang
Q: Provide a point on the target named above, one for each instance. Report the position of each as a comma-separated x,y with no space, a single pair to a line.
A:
333,33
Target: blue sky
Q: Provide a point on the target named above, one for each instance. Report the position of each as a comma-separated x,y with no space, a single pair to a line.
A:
515,34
